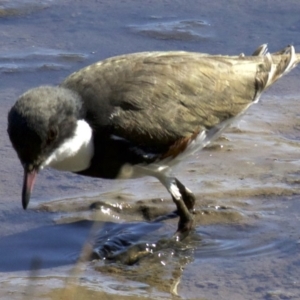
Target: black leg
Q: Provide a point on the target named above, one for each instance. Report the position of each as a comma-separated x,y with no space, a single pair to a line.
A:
187,196
184,201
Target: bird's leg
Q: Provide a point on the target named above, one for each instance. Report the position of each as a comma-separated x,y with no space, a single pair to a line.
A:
187,196
185,223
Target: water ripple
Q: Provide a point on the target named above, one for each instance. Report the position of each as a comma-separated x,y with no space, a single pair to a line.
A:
183,30
38,59
14,8
221,248
125,243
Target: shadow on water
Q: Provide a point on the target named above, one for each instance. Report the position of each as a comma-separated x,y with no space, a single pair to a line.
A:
53,245
58,245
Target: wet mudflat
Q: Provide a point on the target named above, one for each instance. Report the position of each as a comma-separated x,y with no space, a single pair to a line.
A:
246,239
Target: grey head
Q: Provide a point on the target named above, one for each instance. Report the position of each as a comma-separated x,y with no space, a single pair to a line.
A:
41,119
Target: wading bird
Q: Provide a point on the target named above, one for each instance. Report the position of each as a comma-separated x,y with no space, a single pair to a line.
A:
139,114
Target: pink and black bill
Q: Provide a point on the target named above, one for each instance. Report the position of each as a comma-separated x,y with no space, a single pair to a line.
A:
28,182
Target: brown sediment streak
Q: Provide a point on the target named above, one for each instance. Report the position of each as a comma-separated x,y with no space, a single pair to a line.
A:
180,145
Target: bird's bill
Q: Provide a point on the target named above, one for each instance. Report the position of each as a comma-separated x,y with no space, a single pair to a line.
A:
29,179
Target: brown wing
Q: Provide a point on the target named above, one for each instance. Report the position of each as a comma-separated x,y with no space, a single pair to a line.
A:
155,99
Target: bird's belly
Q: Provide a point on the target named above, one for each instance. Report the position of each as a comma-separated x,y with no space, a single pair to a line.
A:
163,166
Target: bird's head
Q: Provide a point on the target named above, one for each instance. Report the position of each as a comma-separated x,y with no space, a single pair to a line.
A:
38,123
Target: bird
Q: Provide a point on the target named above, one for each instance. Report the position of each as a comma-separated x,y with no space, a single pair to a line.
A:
140,114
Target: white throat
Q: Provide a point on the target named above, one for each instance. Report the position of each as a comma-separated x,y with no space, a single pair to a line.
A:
75,153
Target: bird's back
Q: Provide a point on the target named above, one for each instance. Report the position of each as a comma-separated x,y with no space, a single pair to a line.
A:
158,98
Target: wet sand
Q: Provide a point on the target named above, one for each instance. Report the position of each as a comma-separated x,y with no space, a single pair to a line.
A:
246,239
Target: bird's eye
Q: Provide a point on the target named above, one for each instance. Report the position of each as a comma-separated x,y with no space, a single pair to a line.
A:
52,133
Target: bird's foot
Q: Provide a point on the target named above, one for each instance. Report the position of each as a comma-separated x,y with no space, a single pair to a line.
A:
185,226
185,202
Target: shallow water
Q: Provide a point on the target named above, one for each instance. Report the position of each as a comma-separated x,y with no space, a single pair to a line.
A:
245,244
